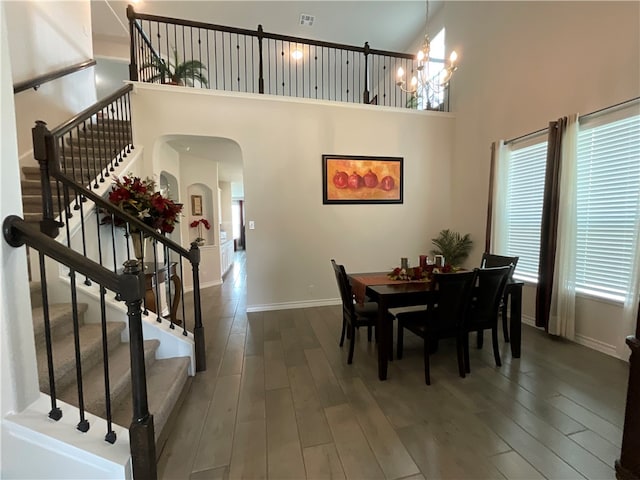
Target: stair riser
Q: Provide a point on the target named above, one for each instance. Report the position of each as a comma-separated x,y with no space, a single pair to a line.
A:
120,388
90,354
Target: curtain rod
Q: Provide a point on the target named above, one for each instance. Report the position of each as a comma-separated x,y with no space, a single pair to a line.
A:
611,107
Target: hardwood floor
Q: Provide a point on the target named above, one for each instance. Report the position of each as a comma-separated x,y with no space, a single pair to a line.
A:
279,401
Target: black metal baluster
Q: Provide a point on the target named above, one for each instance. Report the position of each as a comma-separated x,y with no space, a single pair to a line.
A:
209,60
184,317
167,267
113,244
98,223
111,435
87,282
55,413
156,278
96,166
315,72
127,109
85,177
238,60
83,424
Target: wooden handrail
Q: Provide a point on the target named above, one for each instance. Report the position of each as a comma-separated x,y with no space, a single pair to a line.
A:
17,232
254,33
47,77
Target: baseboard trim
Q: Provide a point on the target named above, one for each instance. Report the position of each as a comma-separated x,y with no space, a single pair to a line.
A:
203,285
581,340
291,305
596,345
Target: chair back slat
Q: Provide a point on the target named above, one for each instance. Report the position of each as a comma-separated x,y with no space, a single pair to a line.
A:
454,294
490,260
488,294
345,288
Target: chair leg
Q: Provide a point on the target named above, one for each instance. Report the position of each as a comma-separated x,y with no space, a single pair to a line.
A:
467,363
369,334
494,340
461,354
352,344
505,326
400,342
427,373
344,330
480,339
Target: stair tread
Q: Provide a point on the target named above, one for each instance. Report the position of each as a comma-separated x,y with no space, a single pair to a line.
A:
59,313
165,381
119,379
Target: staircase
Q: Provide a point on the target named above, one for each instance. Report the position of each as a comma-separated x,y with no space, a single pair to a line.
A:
83,158
167,379
86,157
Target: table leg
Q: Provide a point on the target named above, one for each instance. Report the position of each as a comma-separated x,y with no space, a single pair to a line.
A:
515,322
383,337
150,300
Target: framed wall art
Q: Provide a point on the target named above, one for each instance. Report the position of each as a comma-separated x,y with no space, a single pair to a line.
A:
349,179
196,204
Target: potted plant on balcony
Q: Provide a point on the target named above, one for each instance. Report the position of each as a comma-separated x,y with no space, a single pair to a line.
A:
175,72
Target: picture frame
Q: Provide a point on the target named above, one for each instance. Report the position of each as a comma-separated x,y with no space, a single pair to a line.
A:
355,179
196,204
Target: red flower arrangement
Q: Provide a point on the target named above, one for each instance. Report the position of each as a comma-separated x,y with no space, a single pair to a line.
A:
138,198
200,223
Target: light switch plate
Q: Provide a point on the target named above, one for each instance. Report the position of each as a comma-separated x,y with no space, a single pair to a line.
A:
252,225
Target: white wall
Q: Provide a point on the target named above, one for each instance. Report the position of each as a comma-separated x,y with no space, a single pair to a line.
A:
45,37
522,65
282,142
19,372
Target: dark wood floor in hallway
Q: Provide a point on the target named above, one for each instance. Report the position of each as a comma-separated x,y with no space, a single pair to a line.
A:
278,401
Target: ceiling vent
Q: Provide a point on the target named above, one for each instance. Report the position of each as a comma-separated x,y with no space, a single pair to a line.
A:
306,19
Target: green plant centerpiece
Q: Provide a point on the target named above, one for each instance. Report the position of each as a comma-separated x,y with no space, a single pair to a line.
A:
455,248
175,72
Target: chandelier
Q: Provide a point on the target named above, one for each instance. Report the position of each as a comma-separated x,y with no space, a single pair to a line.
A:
428,76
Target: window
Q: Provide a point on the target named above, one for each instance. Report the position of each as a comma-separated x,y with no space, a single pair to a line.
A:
608,186
525,189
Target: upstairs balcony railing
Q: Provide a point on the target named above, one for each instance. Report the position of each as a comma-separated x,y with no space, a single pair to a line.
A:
254,61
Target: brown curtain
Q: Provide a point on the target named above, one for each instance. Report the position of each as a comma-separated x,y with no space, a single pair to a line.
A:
487,239
549,223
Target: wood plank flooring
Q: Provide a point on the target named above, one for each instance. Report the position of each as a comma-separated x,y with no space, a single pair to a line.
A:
278,401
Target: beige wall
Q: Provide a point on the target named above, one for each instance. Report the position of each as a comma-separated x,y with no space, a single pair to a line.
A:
282,142
45,37
522,65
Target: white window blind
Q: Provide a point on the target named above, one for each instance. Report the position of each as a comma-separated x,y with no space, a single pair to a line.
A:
525,190
607,206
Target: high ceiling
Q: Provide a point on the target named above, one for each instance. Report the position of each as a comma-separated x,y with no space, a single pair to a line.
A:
386,25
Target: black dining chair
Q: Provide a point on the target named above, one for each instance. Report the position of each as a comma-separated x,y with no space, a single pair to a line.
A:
443,318
485,304
491,260
354,315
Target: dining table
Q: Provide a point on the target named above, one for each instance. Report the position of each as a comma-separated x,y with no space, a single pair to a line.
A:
390,293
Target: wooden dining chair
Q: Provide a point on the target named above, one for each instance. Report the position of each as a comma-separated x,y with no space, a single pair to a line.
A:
354,315
443,318
490,260
485,304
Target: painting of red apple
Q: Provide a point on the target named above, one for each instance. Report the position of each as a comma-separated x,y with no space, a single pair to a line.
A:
359,179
